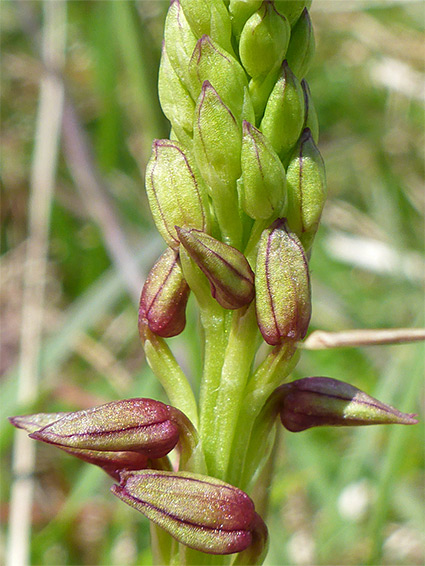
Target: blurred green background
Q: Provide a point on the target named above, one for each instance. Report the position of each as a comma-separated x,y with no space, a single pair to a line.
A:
339,496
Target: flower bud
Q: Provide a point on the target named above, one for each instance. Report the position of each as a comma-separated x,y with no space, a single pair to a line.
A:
310,117
292,9
136,425
241,11
282,286
217,142
209,18
175,190
264,41
111,462
226,268
201,512
322,401
176,102
262,185
306,188
302,46
164,297
179,41
284,114
210,62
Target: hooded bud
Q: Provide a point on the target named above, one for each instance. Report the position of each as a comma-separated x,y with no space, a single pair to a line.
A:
111,462
284,114
264,41
179,40
210,62
302,46
282,286
201,512
217,142
175,190
322,401
241,11
176,102
306,188
310,117
292,9
226,268
164,297
209,18
139,425
262,185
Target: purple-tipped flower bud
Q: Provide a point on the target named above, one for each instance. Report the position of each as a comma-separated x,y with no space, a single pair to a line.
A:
264,40
201,512
282,286
228,272
175,190
262,185
292,9
111,462
164,297
302,46
136,425
322,401
284,114
210,62
306,188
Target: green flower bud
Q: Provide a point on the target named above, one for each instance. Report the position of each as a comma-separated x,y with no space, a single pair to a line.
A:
226,268
175,190
217,142
201,512
292,9
310,120
209,18
179,41
164,297
210,62
135,425
302,46
260,89
284,114
176,102
241,10
262,185
306,188
264,41
282,286
322,401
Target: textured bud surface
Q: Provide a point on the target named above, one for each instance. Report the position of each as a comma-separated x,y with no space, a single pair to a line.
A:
282,286
164,297
200,511
141,425
175,190
322,401
262,185
228,272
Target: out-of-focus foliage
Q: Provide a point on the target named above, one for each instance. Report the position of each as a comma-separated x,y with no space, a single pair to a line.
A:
339,496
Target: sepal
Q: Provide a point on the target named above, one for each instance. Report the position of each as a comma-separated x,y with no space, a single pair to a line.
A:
302,46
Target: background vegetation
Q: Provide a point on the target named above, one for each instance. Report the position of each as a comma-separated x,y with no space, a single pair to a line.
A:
339,496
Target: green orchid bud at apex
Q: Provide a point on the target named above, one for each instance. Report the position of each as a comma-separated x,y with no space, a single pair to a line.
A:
262,186
139,425
302,46
164,297
201,512
306,188
282,286
292,9
322,401
284,114
175,190
226,268
264,41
